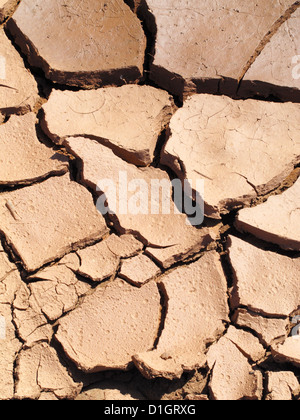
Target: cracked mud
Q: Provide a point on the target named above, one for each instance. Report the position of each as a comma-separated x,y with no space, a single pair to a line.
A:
144,304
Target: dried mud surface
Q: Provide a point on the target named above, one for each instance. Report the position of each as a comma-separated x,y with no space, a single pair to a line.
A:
147,306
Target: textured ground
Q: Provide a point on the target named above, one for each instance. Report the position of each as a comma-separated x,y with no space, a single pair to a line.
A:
143,304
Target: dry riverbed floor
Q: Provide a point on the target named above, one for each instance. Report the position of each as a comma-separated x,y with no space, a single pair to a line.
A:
146,305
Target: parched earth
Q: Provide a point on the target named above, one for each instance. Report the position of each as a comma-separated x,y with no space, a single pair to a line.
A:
139,302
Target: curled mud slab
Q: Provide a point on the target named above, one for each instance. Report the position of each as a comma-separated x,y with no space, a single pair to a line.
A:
99,42
211,47
149,200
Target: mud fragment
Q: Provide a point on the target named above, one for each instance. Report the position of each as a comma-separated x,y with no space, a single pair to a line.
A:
275,71
101,261
24,160
221,41
100,42
124,246
108,115
139,270
288,351
233,146
49,220
260,277
276,220
246,343
232,375
267,329
39,369
282,386
98,262
93,334
196,301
